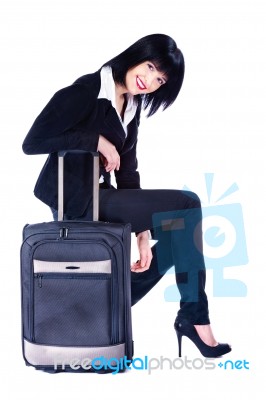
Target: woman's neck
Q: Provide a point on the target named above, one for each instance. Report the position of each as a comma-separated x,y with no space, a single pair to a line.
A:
120,90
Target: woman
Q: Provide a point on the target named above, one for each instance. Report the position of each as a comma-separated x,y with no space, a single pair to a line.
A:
101,112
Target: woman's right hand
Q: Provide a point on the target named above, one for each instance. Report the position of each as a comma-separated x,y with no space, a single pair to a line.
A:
111,158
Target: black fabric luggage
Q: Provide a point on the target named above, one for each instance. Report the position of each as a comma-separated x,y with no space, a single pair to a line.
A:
76,296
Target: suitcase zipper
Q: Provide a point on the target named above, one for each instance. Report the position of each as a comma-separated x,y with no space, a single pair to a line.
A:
61,275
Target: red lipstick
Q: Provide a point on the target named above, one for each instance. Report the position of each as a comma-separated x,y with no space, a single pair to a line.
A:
140,84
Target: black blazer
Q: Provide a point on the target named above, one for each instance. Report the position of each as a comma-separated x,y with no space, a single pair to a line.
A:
73,120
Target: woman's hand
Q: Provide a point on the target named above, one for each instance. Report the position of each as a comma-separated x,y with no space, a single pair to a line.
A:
145,253
110,156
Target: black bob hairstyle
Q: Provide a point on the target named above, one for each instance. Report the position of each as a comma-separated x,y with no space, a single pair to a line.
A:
163,52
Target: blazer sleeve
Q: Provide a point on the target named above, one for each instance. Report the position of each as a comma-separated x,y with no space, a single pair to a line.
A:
62,123
128,177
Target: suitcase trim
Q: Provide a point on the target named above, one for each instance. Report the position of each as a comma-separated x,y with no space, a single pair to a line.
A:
78,267
58,356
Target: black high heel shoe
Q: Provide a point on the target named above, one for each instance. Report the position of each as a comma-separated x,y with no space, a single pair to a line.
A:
185,328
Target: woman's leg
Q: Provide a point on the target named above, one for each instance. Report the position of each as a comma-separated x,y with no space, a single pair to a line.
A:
161,211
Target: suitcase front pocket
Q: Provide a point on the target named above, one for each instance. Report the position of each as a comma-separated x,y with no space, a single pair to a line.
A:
72,305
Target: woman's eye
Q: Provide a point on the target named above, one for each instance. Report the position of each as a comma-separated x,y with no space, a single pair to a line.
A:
151,67
161,82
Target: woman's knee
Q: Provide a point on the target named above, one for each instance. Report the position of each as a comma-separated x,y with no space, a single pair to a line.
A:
193,200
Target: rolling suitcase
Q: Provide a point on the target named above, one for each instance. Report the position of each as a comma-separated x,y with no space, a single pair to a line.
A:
75,287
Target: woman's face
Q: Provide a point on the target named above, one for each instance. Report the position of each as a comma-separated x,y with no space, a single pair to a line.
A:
144,78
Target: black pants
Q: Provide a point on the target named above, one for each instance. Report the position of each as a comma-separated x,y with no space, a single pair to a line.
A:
174,219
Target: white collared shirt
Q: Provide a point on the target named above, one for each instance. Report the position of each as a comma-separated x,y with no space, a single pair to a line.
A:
107,91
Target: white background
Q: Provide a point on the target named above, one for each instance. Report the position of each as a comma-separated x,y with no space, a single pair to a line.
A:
215,126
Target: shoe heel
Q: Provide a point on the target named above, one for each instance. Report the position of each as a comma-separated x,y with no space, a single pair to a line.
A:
186,328
179,338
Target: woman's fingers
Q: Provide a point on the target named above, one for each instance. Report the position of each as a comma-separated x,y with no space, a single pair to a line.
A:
138,267
112,163
143,264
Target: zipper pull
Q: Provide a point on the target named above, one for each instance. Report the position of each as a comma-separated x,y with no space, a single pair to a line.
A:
40,280
63,233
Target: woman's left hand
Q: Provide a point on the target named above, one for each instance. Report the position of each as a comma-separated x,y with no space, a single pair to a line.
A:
143,264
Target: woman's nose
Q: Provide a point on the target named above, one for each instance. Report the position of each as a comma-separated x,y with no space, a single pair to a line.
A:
148,80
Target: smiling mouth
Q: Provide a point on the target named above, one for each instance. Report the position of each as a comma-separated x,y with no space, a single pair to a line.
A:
140,84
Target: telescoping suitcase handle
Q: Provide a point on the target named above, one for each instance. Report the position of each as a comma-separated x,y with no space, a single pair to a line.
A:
96,169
